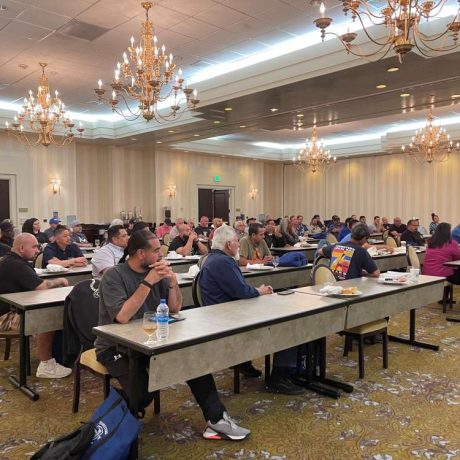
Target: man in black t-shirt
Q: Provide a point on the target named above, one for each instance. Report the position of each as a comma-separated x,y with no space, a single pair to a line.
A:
397,228
187,242
348,260
411,235
126,292
18,275
63,252
203,228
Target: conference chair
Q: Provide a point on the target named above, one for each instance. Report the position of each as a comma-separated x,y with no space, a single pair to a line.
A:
166,239
391,242
80,316
38,260
164,250
323,274
330,238
197,300
385,235
412,258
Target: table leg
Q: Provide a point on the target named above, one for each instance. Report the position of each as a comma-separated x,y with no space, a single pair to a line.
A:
411,340
133,395
23,357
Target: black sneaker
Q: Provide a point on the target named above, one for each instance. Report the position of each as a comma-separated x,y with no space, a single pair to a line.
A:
249,371
284,386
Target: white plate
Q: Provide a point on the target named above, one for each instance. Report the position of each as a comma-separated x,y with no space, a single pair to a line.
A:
187,277
197,257
261,268
357,294
396,282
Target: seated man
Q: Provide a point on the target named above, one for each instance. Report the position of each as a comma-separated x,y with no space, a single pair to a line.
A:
254,249
348,260
7,233
302,229
187,242
77,236
397,228
164,228
63,252
239,229
221,281
111,253
128,291
273,236
54,222
411,235
175,230
203,228
18,275
216,223
349,224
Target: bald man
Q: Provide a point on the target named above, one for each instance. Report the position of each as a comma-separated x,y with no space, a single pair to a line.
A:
187,242
18,275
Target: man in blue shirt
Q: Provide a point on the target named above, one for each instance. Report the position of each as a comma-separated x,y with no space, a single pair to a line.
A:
346,229
456,234
221,281
63,252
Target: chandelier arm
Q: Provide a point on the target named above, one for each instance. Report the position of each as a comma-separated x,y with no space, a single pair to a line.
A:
365,56
422,45
367,33
426,38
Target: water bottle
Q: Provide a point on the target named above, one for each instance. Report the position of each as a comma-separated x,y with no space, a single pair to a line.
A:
162,320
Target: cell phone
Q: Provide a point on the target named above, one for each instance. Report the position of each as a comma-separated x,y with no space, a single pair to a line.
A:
287,292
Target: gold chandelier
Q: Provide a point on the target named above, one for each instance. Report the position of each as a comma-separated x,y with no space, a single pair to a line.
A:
401,19
43,115
431,143
146,76
314,156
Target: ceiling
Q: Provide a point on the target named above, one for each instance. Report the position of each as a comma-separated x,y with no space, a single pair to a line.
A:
82,40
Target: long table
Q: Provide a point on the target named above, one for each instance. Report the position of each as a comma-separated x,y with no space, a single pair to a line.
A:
218,336
42,311
309,251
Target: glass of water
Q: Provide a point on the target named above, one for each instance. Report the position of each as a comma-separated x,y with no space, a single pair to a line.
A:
275,261
97,243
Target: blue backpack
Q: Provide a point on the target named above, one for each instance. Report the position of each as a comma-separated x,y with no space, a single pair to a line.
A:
293,259
115,430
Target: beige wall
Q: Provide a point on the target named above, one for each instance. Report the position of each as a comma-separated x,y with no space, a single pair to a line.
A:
387,185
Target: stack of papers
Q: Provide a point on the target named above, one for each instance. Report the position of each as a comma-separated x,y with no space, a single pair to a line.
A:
193,271
331,290
173,255
56,268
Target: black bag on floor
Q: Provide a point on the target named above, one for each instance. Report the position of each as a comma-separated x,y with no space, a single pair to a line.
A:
70,446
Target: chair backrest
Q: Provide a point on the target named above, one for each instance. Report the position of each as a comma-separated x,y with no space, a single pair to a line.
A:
164,250
330,238
412,257
167,239
391,242
38,260
196,291
322,274
385,234
325,261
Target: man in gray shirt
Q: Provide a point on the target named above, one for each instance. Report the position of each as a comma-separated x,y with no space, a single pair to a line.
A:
126,292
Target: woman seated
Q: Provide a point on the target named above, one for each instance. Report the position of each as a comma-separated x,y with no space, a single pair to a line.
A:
288,230
441,249
434,223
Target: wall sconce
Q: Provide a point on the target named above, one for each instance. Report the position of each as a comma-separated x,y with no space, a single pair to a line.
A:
253,193
56,184
172,191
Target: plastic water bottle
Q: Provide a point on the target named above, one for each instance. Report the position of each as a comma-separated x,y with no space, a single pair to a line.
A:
162,320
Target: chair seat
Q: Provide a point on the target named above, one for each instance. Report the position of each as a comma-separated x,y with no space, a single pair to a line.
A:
368,327
88,359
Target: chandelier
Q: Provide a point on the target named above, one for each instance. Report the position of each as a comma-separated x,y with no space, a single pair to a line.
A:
43,115
314,156
146,76
400,21
431,143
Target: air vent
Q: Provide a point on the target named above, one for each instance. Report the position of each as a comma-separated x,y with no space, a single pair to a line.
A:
82,30
200,63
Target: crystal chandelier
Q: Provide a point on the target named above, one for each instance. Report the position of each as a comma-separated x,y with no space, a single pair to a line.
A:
146,76
43,115
431,143
400,21
314,156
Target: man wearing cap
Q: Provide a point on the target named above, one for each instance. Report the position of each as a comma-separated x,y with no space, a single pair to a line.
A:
78,236
54,222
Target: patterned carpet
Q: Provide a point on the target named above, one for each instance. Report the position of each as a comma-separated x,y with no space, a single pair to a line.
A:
411,410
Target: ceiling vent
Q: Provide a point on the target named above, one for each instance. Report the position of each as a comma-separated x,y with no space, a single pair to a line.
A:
82,30
201,63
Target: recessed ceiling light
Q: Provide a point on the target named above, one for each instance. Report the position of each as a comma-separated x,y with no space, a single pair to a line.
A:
242,126
455,96
405,94
216,122
159,142
196,135
274,109
3,8
393,68
228,109
254,159
134,139
381,86
223,156
300,115
171,131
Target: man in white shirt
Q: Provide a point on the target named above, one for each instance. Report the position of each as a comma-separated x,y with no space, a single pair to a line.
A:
175,230
110,254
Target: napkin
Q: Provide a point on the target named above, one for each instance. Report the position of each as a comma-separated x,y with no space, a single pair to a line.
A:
254,266
193,271
393,276
328,290
372,251
173,255
56,268
195,257
40,271
400,250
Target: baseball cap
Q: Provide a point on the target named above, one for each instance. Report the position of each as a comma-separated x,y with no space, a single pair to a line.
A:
75,223
54,220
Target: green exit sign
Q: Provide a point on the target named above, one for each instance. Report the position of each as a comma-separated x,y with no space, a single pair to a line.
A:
217,178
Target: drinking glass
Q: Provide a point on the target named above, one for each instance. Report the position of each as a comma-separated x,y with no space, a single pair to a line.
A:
149,324
97,243
275,261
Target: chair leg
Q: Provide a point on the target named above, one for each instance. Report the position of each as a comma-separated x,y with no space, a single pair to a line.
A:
156,402
106,383
361,356
385,349
76,386
451,300
236,380
346,345
444,298
267,369
6,356
28,355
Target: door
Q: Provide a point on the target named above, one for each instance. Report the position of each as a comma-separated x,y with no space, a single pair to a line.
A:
221,204
214,203
5,210
205,203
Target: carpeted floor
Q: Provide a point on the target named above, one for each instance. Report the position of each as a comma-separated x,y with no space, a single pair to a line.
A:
411,410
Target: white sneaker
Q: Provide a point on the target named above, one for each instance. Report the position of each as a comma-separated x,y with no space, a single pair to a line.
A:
52,370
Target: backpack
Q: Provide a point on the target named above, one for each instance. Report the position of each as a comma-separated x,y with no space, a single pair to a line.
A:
70,446
293,259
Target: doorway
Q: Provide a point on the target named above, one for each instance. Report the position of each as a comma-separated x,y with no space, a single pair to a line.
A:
8,197
213,202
